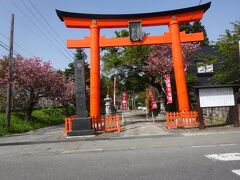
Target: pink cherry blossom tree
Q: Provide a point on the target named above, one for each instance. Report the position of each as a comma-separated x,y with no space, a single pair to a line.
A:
34,79
159,60
64,92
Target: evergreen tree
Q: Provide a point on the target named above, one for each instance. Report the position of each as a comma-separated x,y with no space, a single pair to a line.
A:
195,27
228,70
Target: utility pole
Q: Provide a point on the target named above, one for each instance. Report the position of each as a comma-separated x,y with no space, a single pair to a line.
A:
9,81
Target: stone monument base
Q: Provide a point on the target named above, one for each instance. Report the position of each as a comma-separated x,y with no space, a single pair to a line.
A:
81,127
80,133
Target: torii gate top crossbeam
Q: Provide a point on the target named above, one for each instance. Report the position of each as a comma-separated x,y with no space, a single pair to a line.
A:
82,20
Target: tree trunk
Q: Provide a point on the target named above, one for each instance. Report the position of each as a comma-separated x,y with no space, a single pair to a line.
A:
66,107
32,102
29,113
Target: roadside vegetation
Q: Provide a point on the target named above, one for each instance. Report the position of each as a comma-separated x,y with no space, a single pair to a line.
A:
40,118
37,85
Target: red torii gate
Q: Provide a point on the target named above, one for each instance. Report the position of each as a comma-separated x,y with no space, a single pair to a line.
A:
95,22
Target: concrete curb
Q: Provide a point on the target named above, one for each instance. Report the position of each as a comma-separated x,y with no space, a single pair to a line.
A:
76,139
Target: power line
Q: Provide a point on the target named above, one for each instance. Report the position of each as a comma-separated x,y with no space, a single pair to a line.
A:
6,47
39,29
19,20
18,45
43,25
45,20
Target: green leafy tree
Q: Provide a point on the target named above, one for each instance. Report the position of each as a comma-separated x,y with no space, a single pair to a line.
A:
228,63
69,71
126,63
140,66
195,27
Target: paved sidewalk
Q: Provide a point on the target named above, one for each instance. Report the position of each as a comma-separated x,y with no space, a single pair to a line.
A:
136,123
45,134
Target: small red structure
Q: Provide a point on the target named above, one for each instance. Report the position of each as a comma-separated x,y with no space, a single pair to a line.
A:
181,119
100,123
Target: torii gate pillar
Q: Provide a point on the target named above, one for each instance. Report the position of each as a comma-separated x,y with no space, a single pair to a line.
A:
178,66
171,18
94,70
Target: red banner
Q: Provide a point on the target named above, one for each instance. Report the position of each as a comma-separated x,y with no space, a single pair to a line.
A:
168,89
152,100
114,91
124,101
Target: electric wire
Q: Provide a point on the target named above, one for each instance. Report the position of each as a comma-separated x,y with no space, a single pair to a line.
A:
16,44
45,34
39,29
6,47
49,25
44,27
27,26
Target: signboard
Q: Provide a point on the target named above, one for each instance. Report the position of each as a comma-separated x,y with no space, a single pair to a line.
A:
135,30
205,68
168,89
216,97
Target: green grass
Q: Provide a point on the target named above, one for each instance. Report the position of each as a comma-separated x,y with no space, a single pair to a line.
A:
40,118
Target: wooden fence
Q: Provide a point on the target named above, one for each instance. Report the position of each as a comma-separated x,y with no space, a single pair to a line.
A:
100,123
68,124
106,123
181,119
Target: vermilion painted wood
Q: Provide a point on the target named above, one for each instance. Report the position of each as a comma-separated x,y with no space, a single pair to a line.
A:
181,119
171,18
178,67
106,123
94,71
71,22
125,41
83,20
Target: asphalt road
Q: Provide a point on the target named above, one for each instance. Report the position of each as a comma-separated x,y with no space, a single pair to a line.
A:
162,157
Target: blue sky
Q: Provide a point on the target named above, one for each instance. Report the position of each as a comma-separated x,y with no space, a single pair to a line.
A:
34,37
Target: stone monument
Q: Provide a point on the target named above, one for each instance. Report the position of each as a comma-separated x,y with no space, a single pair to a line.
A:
81,124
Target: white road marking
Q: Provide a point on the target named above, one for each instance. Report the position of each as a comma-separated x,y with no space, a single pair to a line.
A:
224,157
212,145
207,145
228,144
237,171
82,151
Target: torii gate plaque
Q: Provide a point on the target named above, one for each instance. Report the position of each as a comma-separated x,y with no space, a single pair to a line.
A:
95,22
